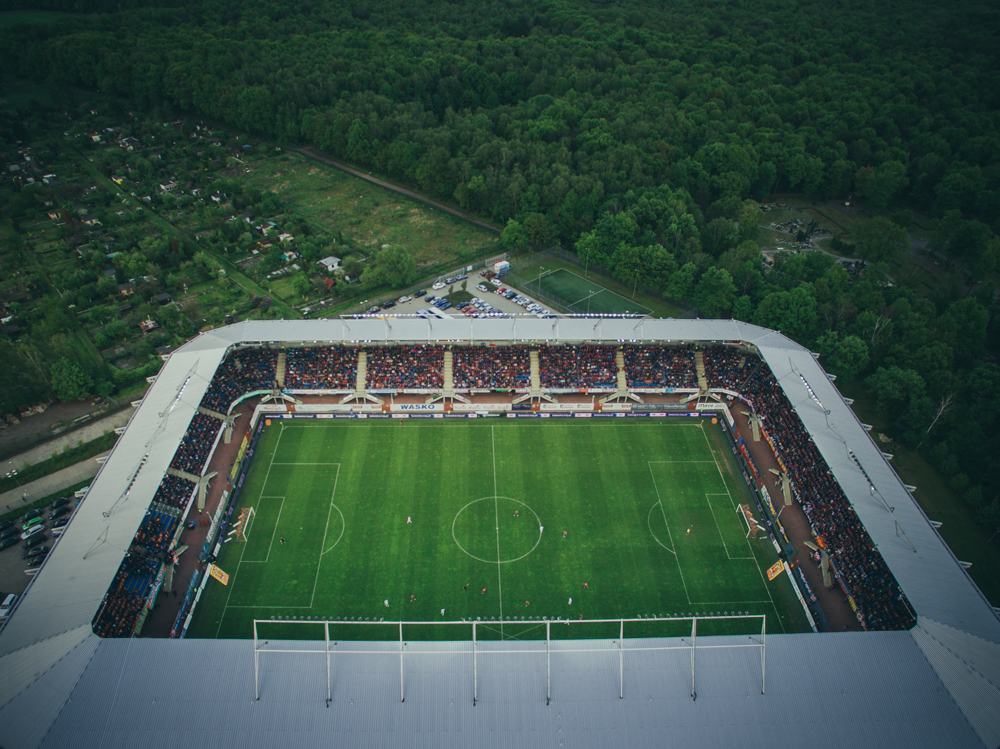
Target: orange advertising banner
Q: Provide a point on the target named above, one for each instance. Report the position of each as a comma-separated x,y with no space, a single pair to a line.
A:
223,578
774,570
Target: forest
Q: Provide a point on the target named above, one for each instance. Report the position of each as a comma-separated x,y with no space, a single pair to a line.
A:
643,136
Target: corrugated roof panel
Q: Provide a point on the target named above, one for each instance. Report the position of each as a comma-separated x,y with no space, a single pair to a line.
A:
22,667
211,686
26,718
978,699
982,655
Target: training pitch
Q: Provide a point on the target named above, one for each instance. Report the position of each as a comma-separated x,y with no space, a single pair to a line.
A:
647,506
584,295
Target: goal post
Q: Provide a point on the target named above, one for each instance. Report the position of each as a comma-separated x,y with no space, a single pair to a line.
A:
241,528
323,637
749,520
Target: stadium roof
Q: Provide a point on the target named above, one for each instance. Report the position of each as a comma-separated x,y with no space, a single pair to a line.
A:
64,686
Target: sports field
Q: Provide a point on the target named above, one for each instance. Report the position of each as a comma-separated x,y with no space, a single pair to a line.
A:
639,519
584,295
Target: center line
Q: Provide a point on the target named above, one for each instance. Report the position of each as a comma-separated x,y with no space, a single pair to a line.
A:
496,512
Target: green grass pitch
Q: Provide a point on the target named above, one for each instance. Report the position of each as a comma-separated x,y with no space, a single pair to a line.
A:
577,291
647,507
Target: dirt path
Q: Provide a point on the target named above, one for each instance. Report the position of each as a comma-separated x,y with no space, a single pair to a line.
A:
397,189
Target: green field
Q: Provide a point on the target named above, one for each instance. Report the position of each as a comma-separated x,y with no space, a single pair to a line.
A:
584,295
626,492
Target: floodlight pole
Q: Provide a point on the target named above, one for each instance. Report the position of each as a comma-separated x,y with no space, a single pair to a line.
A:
694,639
548,663
621,660
402,697
475,672
256,670
326,631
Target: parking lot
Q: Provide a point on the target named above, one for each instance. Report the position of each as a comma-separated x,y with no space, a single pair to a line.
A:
499,303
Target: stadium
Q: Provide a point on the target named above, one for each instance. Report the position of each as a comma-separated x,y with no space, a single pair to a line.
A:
320,531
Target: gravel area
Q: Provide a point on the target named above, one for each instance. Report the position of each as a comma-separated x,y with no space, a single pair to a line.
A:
490,297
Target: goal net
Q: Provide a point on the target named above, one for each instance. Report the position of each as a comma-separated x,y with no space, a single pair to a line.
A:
241,528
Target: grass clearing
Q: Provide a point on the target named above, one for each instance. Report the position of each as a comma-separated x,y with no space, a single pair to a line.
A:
648,508
369,216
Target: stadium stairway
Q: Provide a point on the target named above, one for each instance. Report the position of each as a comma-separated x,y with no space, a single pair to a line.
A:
622,379
362,371
449,380
536,378
279,372
699,366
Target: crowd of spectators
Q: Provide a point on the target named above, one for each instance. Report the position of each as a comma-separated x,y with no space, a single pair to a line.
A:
410,367
241,372
173,491
321,368
156,531
196,443
126,596
660,367
572,366
491,367
859,566
253,368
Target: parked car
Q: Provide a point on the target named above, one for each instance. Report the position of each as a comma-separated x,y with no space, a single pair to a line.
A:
12,530
60,523
439,285
371,310
59,511
31,524
38,538
34,530
34,552
6,524
444,306
405,298
9,541
495,281
388,305
59,503
420,293
36,513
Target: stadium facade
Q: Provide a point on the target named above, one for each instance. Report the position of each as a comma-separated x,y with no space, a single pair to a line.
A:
936,684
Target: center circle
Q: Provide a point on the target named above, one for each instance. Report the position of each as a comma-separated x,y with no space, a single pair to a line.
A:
488,530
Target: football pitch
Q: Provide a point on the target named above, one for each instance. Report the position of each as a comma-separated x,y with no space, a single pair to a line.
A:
584,295
500,520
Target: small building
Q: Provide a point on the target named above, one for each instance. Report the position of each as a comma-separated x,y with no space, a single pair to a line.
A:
164,298
126,289
331,263
285,237
247,217
218,197
167,186
501,267
55,215
90,219
329,283
117,179
147,325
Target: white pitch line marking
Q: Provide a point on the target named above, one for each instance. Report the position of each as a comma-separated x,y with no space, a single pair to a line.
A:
496,512
669,534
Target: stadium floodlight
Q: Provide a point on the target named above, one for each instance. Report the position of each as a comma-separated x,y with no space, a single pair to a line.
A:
812,394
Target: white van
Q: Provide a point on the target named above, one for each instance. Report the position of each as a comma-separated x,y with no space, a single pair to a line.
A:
32,531
7,606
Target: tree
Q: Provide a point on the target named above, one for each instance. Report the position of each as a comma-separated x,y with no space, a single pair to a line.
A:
715,293
538,230
394,267
895,388
720,235
843,356
880,240
69,381
743,309
514,238
681,283
878,185
791,312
